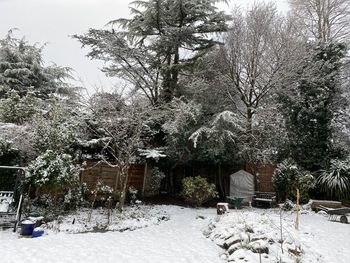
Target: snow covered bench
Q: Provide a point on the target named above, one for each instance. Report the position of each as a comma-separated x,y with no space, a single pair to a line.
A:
263,198
6,198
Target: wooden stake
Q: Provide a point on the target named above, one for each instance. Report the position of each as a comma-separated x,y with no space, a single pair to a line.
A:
144,180
297,221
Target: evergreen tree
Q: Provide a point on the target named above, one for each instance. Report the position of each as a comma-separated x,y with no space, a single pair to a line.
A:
162,38
309,106
22,70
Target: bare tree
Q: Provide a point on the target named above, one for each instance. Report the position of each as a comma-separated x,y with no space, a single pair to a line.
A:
324,19
257,49
119,135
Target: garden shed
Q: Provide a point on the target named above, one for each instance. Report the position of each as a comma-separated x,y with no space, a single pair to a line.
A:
242,185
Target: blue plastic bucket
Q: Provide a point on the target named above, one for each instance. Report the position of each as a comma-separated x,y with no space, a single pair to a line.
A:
27,228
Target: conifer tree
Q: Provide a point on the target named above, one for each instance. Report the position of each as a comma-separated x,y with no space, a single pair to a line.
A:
162,38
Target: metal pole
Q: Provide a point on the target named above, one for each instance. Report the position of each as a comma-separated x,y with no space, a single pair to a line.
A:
13,167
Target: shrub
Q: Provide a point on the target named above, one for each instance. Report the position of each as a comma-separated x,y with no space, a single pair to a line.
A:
16,109
51,170
288,177
196,190
336,180
57,175
153,181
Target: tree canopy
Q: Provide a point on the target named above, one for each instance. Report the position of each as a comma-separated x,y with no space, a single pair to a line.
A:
161,40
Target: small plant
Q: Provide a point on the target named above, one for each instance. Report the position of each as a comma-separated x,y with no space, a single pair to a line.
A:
132,191
336,180
196,190
288,177
101,189
154,180
248,229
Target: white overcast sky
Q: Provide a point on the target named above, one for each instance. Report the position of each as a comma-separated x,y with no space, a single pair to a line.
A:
53,21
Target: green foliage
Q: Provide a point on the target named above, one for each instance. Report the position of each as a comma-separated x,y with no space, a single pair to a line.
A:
335,181
146,50
52,171
181,121
196,190
16,109
288,177
56,132
218,139
22,69
309,107
154,180
57,177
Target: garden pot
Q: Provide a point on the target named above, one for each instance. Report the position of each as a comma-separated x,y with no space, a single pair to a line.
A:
27,228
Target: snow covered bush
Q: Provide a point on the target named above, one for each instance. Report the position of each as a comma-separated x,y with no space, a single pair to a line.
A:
154,180
336,180
196,190
132,194
20,138
15,109
56,132
288,177
52,171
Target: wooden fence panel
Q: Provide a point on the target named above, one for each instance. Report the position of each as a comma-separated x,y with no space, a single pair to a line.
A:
264,174
95,171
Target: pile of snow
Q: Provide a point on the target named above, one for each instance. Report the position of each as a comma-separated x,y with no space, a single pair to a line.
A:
131,218
250,235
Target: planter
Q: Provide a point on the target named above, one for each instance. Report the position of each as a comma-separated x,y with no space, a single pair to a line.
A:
27,228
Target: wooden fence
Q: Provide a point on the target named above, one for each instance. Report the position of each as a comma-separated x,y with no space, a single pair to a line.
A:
263,174
95,171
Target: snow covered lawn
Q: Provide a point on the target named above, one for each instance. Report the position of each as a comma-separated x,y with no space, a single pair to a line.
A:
180,239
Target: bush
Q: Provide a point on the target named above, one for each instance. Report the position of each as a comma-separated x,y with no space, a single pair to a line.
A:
16,109
336,180
51,170
153,181
196,190
288,177
56,175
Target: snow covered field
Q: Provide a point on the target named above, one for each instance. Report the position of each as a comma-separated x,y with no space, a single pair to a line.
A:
179,239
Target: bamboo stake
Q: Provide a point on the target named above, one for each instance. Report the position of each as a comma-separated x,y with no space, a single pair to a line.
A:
297,221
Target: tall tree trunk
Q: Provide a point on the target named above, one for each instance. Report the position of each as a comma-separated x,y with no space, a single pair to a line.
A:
124,174
249,123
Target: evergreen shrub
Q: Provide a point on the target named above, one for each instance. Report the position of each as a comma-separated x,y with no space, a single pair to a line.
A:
196,190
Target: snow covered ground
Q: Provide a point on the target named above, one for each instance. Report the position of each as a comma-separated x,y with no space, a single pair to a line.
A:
179,239
318,239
